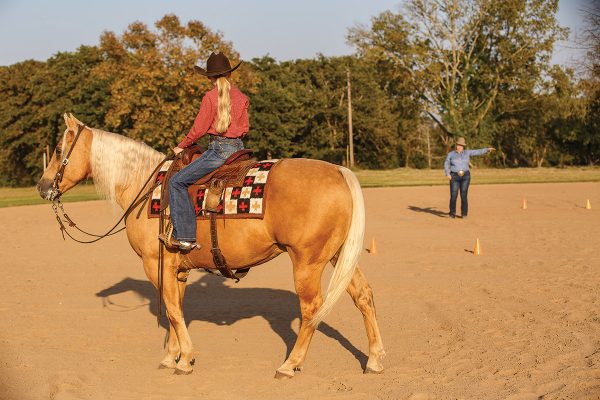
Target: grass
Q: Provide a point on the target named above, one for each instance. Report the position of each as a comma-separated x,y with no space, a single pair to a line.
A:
10,197
430,177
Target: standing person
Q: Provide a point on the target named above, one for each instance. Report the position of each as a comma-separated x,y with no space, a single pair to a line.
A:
456,168
223,116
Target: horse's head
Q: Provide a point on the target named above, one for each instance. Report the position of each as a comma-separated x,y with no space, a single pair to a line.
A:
70,162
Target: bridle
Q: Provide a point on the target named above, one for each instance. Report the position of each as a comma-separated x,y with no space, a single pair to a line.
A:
54,192
59,210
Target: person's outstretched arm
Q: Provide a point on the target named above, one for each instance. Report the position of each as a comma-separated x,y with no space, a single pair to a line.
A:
480,152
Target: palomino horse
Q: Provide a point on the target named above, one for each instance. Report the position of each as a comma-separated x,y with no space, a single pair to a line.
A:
315,213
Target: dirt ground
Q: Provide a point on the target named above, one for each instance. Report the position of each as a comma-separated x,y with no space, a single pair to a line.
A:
520,321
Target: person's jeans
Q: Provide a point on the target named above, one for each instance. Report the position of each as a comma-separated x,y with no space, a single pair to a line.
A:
459,183
183,215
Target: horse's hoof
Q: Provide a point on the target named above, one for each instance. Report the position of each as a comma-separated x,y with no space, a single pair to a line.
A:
183,372
166,365
369,370
282,375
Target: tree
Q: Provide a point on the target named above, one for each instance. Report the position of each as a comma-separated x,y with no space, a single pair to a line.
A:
460,54
276,112
298,109
36,94
589,135
155,95
17,121
390,51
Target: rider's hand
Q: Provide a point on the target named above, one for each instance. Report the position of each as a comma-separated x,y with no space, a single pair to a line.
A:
177,150
449,177
491,149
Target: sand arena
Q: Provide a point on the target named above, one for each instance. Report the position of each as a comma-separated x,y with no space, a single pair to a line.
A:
520,321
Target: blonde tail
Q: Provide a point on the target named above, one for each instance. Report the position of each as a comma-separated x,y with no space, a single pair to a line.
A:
351,249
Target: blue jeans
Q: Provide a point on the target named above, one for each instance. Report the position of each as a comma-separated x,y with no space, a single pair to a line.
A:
459,183
183,215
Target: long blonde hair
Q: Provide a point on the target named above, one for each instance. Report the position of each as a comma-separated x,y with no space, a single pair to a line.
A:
224,105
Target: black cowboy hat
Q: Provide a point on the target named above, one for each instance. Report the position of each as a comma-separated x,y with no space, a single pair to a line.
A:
217,64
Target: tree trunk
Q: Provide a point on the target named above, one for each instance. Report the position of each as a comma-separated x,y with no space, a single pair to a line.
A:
540,160
428,148
407,149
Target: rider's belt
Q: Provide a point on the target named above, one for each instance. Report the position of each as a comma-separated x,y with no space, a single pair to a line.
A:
222,139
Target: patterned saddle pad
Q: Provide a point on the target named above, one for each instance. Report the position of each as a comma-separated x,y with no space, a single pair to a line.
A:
241,201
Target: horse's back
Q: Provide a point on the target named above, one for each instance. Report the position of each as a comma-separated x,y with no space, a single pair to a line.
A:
318,174
307,198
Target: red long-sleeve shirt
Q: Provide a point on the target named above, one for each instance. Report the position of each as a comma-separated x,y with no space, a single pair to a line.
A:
206,119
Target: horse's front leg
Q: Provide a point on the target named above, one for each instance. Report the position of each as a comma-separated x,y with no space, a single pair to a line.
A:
170,360
173,298
173,348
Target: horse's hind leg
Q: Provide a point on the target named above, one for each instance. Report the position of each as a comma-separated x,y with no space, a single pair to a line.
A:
307,279
361,293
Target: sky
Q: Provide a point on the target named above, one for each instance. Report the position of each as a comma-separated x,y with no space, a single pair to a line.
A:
38,29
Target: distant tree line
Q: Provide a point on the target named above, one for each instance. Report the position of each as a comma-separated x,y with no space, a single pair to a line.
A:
420,77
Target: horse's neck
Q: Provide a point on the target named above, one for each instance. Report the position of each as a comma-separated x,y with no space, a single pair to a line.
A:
121,166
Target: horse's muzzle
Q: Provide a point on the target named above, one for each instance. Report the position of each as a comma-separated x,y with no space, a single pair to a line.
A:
47,192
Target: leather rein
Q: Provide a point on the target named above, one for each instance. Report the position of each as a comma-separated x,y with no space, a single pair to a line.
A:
59,211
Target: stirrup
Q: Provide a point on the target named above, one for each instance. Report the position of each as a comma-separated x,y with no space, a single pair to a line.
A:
185,246
172,243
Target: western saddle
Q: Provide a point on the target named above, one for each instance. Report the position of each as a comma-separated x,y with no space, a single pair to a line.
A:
231,173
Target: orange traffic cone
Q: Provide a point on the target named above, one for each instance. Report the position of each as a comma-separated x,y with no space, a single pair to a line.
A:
588,206
524,206
373,248
477,250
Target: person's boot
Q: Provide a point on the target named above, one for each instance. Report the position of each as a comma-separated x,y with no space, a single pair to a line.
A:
173,243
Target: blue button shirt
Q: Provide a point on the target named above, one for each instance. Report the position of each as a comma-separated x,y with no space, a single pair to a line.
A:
456,161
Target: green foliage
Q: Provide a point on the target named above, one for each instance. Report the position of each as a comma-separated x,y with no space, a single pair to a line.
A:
35,95
17,121
155,94
480,67
483,68
299,109
588,137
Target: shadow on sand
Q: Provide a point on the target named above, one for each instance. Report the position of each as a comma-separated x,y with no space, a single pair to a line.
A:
429,210
210,300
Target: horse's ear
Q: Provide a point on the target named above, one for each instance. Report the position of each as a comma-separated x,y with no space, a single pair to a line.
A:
66,117
71,124
77,122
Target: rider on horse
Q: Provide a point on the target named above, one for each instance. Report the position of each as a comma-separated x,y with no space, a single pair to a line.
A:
224,116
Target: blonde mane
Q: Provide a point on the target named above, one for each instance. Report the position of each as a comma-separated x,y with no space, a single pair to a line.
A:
118,161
